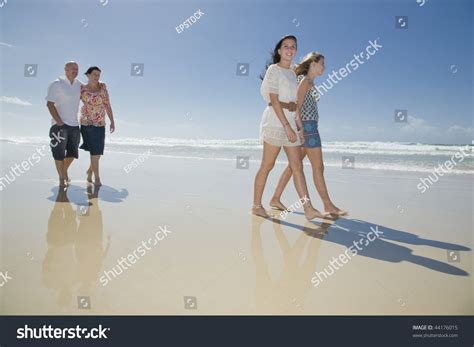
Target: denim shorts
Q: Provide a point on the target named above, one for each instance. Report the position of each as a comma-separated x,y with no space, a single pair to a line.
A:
64,141
311,134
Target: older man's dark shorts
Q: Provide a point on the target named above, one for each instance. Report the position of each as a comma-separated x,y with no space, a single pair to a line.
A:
64,141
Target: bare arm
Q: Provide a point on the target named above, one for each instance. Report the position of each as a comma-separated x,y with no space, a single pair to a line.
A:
278,110
303,88
108,110
110,114
54,113
281,116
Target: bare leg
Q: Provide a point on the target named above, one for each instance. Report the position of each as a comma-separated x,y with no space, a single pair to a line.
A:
89,173
67,163
95,169
315,156
296,165
270,153
285,177
60,170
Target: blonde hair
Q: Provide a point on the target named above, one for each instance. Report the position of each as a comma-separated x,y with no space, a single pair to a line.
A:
303,67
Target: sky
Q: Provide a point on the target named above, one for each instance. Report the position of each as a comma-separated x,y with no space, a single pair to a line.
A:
190,87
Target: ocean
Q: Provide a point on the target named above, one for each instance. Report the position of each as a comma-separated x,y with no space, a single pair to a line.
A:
391,156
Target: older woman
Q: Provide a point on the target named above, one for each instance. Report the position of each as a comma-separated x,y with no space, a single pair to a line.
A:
96,101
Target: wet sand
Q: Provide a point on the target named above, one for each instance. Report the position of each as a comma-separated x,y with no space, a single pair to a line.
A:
214,257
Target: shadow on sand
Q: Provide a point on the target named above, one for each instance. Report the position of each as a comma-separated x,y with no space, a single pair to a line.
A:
345,232
79,196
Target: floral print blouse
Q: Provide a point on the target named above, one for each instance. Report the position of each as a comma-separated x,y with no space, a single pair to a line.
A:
94,108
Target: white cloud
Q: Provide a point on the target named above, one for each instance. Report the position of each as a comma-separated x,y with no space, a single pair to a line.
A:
456,129
14,100
6,44
418,125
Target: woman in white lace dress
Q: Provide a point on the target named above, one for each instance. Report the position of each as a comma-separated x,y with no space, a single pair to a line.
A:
280,127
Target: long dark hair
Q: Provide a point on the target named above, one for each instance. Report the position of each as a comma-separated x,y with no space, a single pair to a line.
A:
275,55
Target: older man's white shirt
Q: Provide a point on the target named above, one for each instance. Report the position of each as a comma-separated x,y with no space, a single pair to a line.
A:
66,98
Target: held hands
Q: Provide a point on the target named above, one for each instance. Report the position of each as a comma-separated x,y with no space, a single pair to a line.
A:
301,135
290,133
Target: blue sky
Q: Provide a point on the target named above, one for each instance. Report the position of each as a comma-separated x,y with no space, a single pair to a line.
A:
190,88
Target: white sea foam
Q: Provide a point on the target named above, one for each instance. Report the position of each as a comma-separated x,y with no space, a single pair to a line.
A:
392,156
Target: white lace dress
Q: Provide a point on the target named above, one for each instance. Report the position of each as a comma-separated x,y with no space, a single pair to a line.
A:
283,82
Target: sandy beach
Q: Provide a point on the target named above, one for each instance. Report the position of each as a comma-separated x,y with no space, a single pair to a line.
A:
191,246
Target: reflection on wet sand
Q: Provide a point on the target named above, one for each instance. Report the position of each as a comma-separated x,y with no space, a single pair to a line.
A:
286,293
75,248
59,264
90,252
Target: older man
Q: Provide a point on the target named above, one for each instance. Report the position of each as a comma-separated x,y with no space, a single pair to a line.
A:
63,105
